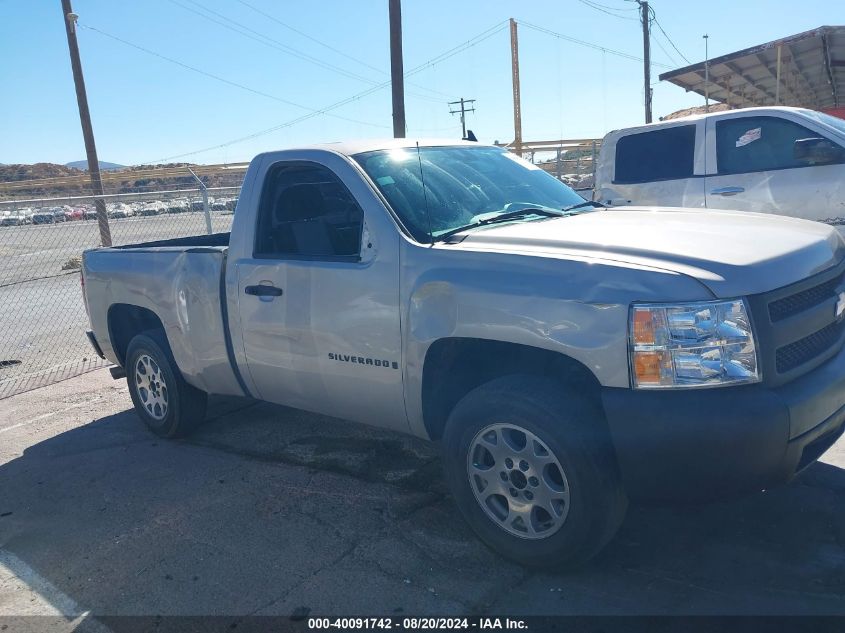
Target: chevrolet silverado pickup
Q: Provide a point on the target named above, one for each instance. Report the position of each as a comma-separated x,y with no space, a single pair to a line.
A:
568,357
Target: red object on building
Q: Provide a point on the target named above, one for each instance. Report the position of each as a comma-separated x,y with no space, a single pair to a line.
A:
838,112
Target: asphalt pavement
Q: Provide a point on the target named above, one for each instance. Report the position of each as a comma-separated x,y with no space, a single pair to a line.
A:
268,510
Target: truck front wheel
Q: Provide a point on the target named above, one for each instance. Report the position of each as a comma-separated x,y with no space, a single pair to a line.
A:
168,405
533,472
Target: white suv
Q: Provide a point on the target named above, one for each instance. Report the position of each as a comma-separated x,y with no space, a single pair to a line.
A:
789,161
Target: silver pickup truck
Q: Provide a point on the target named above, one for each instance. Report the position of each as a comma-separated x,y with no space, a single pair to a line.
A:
568,357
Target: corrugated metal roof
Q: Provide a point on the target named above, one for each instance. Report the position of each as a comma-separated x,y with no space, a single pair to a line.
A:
812,72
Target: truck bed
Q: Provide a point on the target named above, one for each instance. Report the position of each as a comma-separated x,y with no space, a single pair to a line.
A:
180,283
215,239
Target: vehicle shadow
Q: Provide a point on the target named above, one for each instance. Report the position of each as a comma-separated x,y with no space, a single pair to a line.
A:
269,510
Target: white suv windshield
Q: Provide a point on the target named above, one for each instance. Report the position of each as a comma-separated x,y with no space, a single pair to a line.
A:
834,122
435,190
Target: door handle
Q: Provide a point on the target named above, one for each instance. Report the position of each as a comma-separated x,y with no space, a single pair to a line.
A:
727,191
263,291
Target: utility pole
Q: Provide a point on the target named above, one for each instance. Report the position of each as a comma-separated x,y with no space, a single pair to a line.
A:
517,112
397,73
707,72
85,118
644,17
462,111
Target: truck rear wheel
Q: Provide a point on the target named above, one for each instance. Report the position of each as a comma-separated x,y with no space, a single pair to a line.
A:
168,405
533,472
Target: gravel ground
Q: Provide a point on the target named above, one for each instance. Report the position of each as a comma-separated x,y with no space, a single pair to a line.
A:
270,510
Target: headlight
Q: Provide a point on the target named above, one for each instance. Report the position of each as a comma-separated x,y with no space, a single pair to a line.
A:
692,345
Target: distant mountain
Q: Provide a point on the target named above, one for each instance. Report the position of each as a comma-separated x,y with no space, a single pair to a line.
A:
83,165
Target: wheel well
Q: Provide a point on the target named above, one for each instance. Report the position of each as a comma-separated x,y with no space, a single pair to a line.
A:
455,366
125,321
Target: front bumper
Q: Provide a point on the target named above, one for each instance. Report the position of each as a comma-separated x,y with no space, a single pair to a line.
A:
707,443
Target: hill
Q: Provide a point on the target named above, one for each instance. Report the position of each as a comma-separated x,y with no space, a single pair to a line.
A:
10,173
52,180
104,166
714,107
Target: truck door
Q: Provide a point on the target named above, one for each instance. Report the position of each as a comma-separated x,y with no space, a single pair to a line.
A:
755,163
318,298
657,166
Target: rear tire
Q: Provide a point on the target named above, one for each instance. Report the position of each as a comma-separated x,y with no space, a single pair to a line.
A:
168,405
532,470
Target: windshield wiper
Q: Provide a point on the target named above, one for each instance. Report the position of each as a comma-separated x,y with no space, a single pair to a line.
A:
580,205
502,217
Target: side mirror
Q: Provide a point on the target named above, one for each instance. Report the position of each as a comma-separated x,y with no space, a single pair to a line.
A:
818,151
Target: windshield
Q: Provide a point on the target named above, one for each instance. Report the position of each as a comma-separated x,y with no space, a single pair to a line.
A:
834,122
462,184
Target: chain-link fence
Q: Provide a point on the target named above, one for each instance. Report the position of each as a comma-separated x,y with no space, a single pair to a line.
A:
42,314
572,161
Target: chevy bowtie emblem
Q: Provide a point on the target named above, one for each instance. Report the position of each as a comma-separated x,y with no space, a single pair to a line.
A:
840,305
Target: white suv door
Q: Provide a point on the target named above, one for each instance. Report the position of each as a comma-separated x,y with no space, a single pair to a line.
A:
775,163
660,165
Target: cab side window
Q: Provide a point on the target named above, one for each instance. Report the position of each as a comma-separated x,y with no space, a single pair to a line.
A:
752,144
666,154
306,212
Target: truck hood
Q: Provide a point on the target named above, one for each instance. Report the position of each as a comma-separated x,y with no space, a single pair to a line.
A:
732,253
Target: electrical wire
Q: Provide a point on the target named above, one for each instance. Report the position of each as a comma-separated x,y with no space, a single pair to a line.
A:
670,57
588,44
604,6
484,35
309,37
666,35
256,36
608,10
218,78
329,47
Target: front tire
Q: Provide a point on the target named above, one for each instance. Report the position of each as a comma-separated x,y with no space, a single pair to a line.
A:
533,472
168,405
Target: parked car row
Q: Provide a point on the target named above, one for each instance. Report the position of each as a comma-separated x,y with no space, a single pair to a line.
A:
117,210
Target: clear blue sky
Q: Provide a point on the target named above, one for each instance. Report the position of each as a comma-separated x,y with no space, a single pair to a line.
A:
145,108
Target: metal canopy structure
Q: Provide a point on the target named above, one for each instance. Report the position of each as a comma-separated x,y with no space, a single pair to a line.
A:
806,70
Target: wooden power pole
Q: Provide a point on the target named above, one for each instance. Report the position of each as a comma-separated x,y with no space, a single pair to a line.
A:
517,112
85,118
397,73
462,111
646,58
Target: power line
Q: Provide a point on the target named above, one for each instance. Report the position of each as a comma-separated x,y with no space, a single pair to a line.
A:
668,39
459,48
329,47
332,48
484,35
217,77
608,10
588,44
670,57
256,36
313,39
604,6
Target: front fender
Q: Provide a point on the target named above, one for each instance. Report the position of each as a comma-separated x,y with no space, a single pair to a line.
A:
575,307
